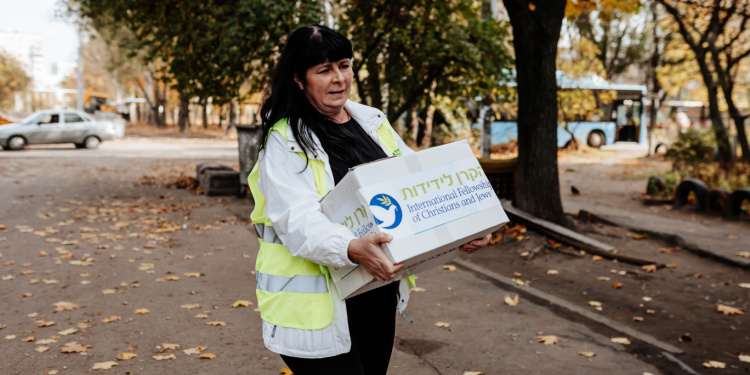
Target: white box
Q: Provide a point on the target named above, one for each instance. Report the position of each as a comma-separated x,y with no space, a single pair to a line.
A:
432,202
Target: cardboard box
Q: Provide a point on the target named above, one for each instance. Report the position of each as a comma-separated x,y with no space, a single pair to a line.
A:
432,202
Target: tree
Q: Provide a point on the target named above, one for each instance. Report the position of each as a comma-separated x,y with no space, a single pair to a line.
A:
410,53
615,29
536,31
13,78
716,32
209,48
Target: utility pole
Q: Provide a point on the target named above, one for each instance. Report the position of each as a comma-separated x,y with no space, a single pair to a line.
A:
79,104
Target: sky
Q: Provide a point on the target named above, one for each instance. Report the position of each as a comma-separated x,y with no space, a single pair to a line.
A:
38,17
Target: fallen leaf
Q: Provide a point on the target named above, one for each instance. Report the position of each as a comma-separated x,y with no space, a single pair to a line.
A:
170,346
8,277
68,331
671,265
28,294
649,311
188,257
109,291
744,358
142,311
520,282
420,290
621,340
146,267
744,285
733,236
442,324
171,278
27,272
286,371
617,285
201,316
125,356
65,306
714,364
597,257
548,339
46,341
587,354
207,356
595,303
728,310
192,274
10,337
74,347
647,299
603,278
42,253
161,357
103,365
83,262
42,323
744,254
216,323
191,306
449,267
195,350
511,301
553,272
41,349
111,319
524,254
472,373
29,339
242,303
638,319
640,236
649,268
50,282
517,274
667,249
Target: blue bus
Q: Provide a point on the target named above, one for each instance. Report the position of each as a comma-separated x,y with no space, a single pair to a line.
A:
621,119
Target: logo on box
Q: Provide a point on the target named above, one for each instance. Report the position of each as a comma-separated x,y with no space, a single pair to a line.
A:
386,211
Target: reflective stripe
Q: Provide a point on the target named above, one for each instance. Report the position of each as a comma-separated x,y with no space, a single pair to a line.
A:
296,284
267,234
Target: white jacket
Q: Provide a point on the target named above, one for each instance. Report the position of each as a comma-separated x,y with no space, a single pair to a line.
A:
292,205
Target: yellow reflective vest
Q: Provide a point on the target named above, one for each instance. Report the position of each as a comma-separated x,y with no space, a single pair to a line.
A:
292,291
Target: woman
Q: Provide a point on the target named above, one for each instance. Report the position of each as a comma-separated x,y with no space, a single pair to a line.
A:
313,135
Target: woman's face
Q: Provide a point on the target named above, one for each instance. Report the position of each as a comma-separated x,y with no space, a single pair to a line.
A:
327,86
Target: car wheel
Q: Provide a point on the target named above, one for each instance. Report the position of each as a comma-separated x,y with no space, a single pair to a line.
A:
596,139
16,143
91,142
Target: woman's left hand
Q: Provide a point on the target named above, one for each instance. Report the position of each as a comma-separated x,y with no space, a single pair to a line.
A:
475,245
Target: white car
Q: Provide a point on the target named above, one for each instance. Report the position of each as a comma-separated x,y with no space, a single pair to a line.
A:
57,126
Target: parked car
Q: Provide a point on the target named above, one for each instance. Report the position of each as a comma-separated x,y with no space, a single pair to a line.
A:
57,126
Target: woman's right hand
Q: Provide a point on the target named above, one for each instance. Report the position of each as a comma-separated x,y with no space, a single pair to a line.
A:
366,252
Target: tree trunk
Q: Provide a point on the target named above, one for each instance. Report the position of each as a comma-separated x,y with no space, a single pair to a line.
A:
232,113
535,36
183,119
204,120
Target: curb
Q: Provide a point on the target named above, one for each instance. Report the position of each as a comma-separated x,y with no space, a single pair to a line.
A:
669,237
528,291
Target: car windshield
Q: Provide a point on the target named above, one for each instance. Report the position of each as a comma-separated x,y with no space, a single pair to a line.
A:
31,119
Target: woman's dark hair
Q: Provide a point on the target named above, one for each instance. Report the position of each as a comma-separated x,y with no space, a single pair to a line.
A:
306,47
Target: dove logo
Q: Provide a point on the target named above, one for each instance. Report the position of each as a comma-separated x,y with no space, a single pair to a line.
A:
386,211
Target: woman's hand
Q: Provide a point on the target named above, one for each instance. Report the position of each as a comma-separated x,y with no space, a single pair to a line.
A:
475,245
366,252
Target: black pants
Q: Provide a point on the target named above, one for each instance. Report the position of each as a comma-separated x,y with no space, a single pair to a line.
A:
372,326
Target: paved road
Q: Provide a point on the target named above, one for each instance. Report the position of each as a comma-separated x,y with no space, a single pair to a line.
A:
134,245
142,148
